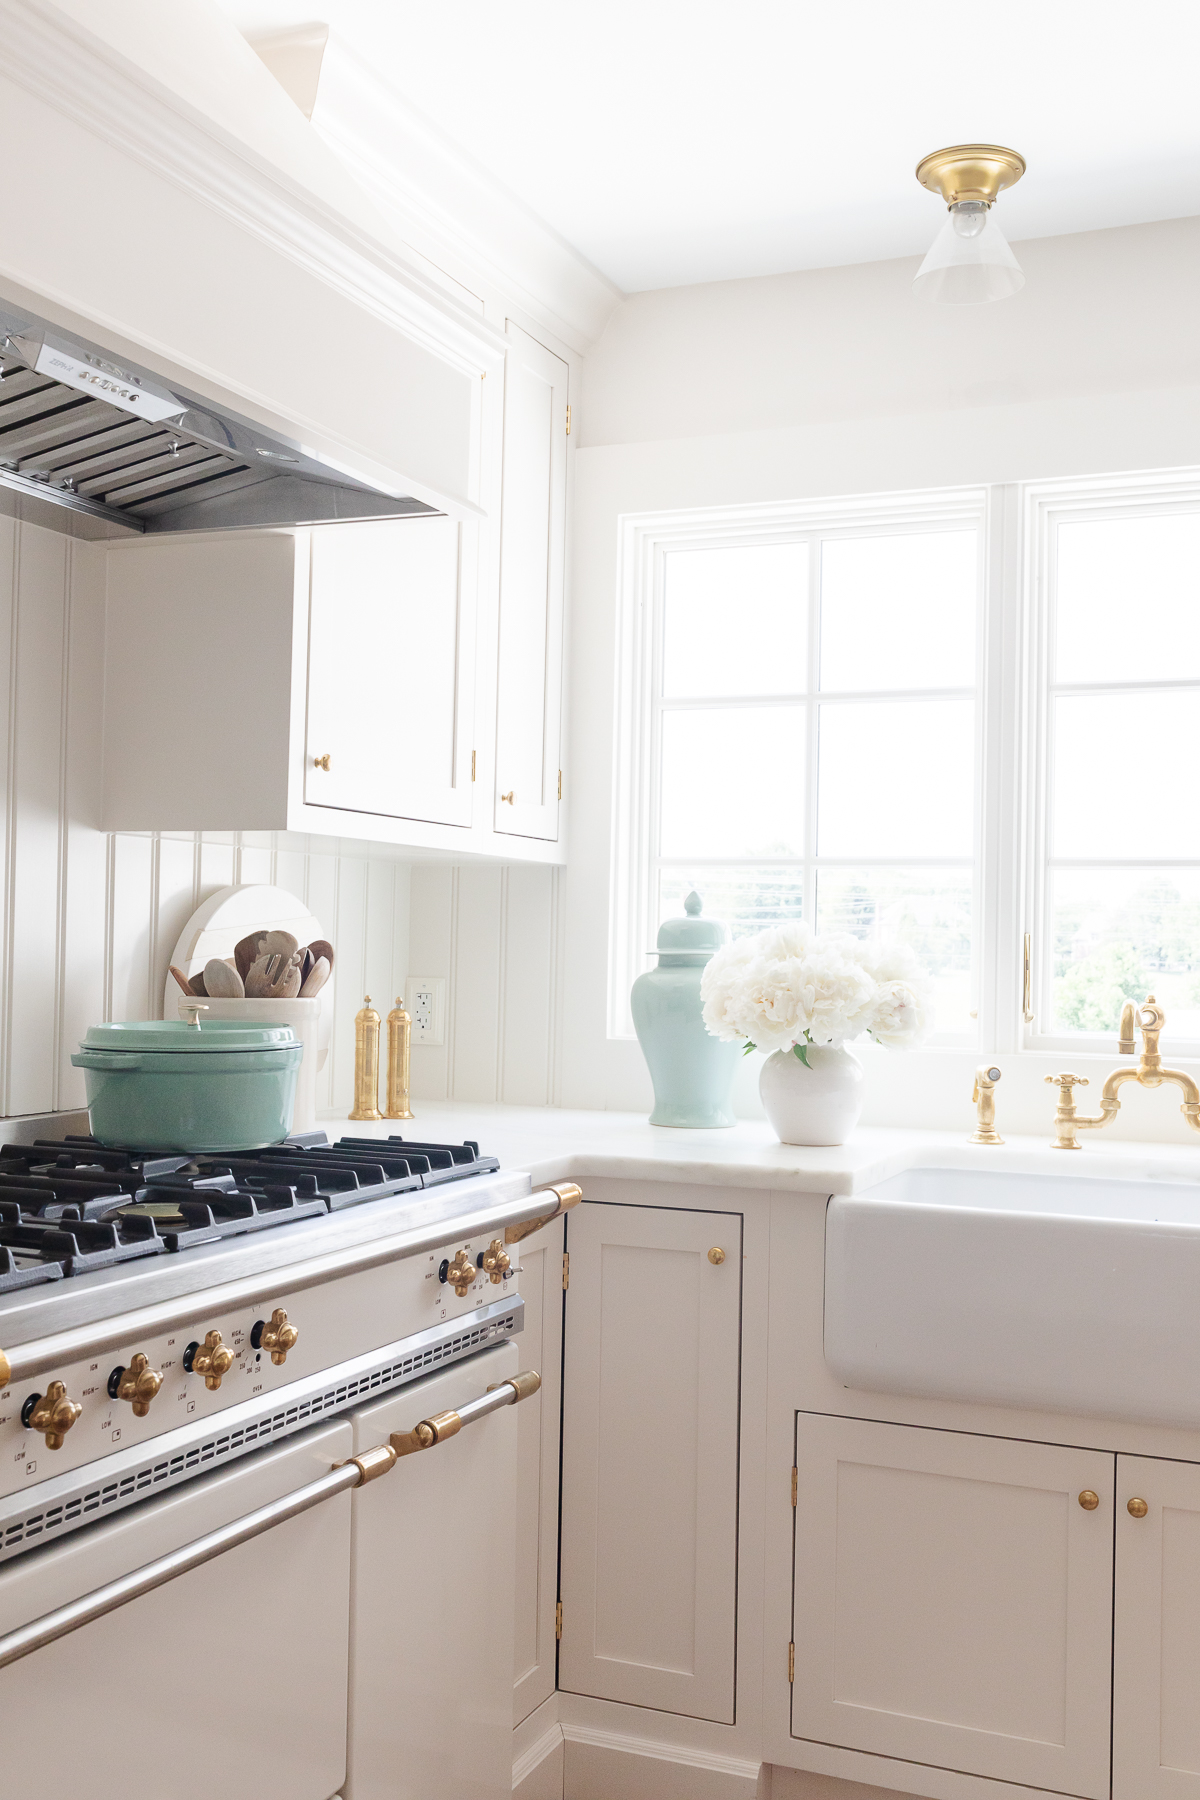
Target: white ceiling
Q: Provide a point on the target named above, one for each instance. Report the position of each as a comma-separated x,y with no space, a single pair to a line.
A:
676,141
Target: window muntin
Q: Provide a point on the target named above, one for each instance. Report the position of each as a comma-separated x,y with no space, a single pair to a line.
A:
815,739
1119,876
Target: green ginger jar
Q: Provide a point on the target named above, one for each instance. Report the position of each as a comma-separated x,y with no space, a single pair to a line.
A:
692,1071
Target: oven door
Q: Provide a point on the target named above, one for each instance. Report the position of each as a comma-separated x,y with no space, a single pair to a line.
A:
229,1680
431,1629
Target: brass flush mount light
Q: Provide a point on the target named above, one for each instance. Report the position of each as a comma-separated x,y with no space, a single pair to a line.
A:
970,260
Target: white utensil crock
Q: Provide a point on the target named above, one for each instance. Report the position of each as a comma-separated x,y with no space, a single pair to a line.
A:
304,1017
819,1104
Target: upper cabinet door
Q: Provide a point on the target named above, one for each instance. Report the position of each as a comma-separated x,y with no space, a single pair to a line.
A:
532,575
391,654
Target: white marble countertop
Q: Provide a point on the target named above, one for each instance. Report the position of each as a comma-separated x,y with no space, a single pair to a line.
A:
554,1143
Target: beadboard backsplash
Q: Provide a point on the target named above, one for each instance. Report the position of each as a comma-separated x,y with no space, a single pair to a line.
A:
89,919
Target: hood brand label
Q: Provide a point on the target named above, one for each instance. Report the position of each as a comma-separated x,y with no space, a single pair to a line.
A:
105,386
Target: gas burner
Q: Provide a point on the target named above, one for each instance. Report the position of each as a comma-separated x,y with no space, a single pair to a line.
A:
71,1206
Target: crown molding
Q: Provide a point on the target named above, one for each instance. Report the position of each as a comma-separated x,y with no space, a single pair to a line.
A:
68,67
435,190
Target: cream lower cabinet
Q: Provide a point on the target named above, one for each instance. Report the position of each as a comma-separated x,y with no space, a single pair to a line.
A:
953,1603
1156,1664
650,1458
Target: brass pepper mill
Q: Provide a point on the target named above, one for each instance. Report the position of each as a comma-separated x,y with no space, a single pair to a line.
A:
399,1039
366,1062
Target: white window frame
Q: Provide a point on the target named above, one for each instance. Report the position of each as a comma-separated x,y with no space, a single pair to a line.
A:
1045,506
644,541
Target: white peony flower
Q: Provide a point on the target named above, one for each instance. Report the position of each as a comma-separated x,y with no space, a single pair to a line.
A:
787,986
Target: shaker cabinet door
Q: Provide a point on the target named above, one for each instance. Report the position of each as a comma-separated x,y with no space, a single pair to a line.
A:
532,575
953,1601
390,669
650,1458
1156,1660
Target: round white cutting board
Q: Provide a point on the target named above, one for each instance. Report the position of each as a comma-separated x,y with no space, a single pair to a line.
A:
231,914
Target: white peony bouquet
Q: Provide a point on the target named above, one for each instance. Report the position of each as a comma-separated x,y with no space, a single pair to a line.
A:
787,988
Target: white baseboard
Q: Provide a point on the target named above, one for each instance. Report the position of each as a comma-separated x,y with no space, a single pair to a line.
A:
538,1770
607,1765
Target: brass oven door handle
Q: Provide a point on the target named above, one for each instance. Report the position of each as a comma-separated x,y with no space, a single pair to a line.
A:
566,1194
368,1466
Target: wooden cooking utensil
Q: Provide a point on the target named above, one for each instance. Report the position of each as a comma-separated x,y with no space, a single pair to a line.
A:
182,979
221,982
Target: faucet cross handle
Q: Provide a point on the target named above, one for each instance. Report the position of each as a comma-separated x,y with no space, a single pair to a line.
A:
1149,1020
1066,1119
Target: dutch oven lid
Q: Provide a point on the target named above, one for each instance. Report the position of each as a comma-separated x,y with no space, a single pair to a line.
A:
166,1035
691,935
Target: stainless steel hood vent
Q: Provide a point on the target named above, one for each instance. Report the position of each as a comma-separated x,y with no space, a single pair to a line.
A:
94,446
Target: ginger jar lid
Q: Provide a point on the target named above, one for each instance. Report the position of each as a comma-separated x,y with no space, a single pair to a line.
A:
690,935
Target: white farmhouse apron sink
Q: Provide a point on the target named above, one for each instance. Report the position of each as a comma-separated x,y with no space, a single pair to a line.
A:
1059,1292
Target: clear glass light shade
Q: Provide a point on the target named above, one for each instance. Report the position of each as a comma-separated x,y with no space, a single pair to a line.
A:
970,261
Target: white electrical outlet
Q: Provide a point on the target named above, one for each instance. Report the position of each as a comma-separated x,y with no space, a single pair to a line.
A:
425,1003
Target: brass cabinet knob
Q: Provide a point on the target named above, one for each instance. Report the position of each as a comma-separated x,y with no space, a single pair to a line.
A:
212,1359
138,1384
1138,1508
716,1256
322,762
1089,1500
275,1335
495,1261
51,1413
507,798
460,1273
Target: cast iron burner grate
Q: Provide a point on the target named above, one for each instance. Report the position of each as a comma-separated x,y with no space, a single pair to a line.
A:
70,1206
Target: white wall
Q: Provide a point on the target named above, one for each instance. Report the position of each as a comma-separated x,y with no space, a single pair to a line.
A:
88,920
841,382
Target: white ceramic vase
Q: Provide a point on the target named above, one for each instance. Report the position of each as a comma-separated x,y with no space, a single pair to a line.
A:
819,1104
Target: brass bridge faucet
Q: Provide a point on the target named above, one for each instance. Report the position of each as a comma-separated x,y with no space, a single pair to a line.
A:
1149,1020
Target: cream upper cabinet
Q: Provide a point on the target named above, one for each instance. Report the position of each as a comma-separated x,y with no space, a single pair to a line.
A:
304,680
532,577
650,1458
953,1602
390,669
1156,1661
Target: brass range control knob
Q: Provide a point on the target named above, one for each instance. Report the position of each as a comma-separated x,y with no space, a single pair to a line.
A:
460,1273
212,1359
495,1261
138,1384
51,1413
276,1335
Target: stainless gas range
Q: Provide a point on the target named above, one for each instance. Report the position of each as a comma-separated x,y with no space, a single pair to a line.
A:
182,1336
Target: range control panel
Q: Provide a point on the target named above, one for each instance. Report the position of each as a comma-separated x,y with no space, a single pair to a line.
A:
85,1410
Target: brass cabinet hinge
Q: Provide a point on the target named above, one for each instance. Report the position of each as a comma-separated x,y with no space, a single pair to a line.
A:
795,1479
791,1662
558,1623
472,765
560,784
566,1270
568,421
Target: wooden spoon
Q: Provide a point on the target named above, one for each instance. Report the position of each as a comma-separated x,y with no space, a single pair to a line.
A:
196,986
278,941
317,979
322,947
221,982
245,953
182,979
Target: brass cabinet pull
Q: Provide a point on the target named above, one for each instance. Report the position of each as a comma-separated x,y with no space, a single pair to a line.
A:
322,762
1027,982
716,1256
356,1472
507,798
1089,1500
1137,1508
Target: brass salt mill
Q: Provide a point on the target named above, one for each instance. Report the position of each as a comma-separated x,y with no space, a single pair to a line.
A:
366,1062
399,1026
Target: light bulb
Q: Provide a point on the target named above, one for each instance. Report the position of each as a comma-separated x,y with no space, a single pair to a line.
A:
969,217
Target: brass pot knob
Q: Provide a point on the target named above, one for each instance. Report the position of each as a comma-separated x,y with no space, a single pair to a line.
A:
275,1335
495,1261
138,1384
212,1359
460,1273
1089,1500
51,1413
1138,1508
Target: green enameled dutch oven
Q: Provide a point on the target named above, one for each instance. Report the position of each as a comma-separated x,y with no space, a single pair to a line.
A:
155,1084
